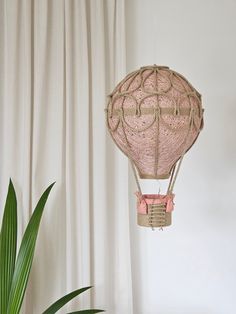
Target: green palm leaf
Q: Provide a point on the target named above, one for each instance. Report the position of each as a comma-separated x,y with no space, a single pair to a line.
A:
62,301
87,312
25,257
8,242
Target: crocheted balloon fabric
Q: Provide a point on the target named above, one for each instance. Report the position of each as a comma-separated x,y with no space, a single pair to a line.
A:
154,116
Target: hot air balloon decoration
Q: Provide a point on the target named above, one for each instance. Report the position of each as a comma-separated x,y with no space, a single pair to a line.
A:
154,116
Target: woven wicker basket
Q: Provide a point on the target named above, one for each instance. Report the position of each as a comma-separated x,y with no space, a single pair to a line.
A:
154,210
157,217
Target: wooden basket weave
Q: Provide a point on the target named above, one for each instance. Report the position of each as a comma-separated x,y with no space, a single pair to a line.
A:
154,210
156,217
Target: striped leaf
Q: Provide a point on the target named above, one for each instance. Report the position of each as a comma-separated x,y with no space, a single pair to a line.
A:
87,312
8,242
64,300
25,257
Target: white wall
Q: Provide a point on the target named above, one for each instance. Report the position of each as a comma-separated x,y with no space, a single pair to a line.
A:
190,267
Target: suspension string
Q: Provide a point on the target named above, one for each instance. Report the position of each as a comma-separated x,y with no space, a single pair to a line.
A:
159,186
173,180
157,117
128,154
171,186
136,177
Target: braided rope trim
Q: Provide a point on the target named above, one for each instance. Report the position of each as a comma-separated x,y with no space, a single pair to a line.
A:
154,68
151,111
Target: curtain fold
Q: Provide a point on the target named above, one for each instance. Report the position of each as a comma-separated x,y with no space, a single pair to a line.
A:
58,61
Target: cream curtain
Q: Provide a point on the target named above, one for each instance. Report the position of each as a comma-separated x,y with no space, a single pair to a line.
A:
58,61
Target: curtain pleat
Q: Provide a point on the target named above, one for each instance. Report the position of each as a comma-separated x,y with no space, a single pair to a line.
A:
58,61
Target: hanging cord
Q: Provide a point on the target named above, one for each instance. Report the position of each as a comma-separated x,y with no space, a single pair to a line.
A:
140,191
171,179
175,173
136,176
137,180
159,186
174,176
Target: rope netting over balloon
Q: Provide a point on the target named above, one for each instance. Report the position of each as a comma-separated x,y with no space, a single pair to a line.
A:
154,116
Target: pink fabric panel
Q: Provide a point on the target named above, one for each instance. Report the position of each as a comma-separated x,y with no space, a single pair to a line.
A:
144,200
